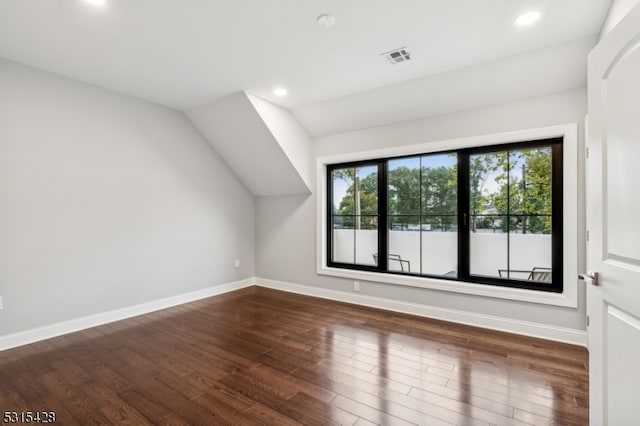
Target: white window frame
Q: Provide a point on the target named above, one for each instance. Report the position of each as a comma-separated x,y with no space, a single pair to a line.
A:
569,295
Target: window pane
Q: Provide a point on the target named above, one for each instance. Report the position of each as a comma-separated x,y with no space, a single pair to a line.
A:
404,244
534,190
488,246
354,214
423,199
404,190
485,173
355,191
439,225
404,214
488,205
439,184
510,229
342,181
343,239
531,254
366,191
440,245
366,241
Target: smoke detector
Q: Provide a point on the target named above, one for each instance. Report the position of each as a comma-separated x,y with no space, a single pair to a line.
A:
397,55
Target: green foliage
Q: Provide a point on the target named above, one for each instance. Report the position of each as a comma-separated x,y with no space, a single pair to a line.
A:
428,195
435,201
440,197
479,168
524,192
404,187
368,198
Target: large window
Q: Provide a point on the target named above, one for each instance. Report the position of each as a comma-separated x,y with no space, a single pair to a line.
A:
490,215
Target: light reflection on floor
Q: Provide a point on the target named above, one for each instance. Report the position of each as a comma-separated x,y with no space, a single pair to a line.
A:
417,376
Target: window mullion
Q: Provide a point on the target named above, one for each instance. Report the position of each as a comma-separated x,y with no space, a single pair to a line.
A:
508,214
420,212
329,212
383,228
556,215
464,216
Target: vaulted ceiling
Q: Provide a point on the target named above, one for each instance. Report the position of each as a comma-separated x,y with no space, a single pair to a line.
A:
187,53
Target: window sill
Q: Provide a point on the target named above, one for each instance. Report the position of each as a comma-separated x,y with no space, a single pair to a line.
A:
566,299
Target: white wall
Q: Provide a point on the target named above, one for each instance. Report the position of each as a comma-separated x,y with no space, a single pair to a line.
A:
107,202
285,226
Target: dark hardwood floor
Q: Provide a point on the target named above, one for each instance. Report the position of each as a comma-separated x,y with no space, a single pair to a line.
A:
259,356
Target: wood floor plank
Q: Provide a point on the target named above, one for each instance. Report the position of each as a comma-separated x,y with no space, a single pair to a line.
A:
121,413
375,415
260,356
324,410
172,420
169,397
51,404
224,412
101,395
284,361
147,405
373,379
271,417
275,398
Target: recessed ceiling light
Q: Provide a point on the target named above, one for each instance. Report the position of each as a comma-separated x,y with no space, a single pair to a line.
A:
280,91
528,18
326,21
96,2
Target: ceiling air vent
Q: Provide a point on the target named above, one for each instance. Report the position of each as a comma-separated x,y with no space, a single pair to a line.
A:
397,55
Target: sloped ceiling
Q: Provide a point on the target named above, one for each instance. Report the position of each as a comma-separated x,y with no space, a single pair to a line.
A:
268,162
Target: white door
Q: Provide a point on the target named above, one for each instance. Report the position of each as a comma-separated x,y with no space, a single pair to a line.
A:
613,221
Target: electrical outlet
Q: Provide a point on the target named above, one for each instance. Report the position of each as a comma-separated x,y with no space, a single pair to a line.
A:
0,303
356,286
237,263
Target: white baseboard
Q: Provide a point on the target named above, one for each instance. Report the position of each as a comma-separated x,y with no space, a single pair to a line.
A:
532,329
544,331
30,336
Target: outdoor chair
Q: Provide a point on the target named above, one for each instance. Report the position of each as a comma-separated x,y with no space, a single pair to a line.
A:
396,258
537,273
